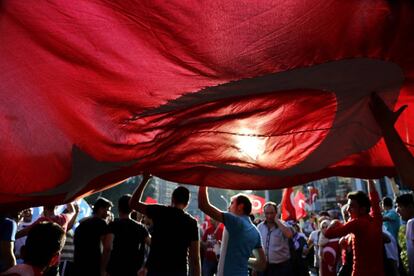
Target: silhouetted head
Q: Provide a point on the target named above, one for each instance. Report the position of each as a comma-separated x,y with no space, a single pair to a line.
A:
180,196
44,242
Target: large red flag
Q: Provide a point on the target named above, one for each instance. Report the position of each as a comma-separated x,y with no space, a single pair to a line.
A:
233,94
288,205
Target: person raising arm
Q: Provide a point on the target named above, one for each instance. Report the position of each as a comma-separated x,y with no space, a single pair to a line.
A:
243,236
175,232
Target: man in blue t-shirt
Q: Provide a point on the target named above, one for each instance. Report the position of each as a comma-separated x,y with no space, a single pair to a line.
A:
241,238
390,217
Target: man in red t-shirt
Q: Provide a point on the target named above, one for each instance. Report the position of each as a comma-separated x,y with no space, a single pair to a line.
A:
367,229
211,243
49,215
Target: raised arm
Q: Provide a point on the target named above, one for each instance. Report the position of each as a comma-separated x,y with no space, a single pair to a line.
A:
135,201
337,230
70,214
23,232
375,200
401,156
206,207
286,231
73,219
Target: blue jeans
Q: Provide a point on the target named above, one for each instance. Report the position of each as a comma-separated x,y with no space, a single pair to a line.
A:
209,267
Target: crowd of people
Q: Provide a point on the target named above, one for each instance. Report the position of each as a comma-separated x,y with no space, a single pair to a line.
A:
166,240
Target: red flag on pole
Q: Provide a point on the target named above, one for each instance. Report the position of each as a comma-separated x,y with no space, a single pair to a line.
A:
288,207
313,194
300,205
238,96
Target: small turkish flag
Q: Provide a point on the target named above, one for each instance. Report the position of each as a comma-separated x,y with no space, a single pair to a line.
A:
257,204
300,205
288,208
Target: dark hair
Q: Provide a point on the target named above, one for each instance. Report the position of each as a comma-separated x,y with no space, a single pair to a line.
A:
361,198
323,214
123,204
386,201
270,203
247,205
252,217
181,195
405,200
44,240
101,203
49,207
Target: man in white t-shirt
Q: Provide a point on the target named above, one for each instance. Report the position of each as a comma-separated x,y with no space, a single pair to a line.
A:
405,208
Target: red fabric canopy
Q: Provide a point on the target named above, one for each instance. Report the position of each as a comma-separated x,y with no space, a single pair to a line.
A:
233,94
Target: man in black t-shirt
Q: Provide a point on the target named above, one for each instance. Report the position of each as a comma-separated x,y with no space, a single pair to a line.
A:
91,242
127,239
175,233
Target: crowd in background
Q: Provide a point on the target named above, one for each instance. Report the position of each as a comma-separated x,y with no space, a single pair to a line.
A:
102,245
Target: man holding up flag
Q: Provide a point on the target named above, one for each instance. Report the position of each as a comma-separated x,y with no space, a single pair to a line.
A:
175,232
242,236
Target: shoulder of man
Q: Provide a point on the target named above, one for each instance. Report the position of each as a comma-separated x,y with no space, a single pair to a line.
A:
192,222
8,231
154,210
190,217
410,225
261,225
233,222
